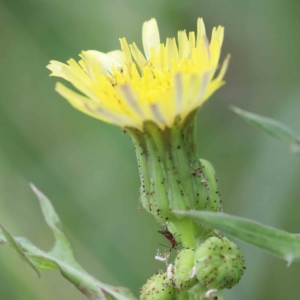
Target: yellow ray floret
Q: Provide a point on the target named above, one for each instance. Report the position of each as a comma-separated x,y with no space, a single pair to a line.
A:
127,88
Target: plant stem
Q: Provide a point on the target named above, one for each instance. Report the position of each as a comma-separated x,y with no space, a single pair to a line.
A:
185,229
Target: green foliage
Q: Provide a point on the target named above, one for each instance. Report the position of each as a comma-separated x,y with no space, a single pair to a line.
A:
18,248
61,257
278,242
273,128
3,239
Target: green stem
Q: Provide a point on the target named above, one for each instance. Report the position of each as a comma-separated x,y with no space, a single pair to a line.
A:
185,229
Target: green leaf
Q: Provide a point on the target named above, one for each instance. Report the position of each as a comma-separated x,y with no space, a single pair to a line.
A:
62,258
273,128
15,245
2,237
280,243
62,248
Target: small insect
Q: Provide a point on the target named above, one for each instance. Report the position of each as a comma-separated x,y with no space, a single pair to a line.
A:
170,237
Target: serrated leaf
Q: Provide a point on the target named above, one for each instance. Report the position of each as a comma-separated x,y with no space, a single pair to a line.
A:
280,243
62,258
62,248
14,244
111,292
121,290
49,213
273,128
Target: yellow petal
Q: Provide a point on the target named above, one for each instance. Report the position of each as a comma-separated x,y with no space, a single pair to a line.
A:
183,44
163,57
216,43
138,56
127,88
118,55
200,30
150,37
106,60
178,92
131,100
58,69
90,108
192,42
223,68
172,52
125,49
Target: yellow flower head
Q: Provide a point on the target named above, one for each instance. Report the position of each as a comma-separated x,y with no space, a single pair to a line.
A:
126,87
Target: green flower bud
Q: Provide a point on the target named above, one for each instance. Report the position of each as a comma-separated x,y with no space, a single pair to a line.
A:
219,263
183,275
158,287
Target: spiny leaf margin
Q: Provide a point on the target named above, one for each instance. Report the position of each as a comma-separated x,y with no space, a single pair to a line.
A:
61,257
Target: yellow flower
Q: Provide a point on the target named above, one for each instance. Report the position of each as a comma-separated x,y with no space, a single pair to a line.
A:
127,88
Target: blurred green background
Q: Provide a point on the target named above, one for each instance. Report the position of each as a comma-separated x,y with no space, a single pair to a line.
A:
88,168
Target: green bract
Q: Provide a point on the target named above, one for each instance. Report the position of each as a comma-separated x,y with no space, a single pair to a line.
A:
213,202
170,172
172,177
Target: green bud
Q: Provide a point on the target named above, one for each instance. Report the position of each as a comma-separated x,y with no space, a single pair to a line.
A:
183,275
219,263
158,287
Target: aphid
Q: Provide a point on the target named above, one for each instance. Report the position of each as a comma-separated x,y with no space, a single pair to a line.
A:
170,237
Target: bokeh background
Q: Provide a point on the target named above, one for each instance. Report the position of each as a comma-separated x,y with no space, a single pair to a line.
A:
88,168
